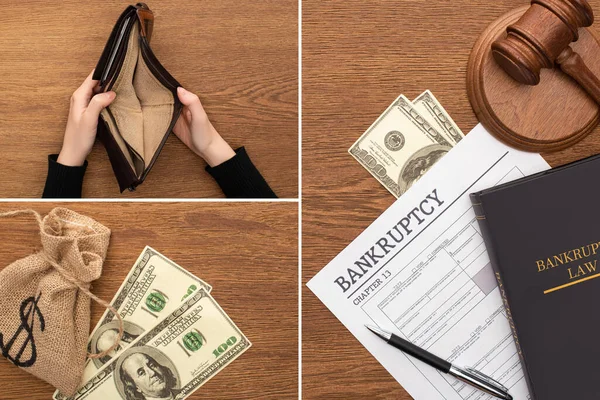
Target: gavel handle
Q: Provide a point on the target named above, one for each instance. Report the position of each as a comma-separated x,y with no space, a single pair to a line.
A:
572,64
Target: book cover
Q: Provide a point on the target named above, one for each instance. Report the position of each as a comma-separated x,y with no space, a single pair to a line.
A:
542,234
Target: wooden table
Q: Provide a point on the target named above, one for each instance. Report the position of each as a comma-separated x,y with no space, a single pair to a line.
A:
358,56
247,252
241,58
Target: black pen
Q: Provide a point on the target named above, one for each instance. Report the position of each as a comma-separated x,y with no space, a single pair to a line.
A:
467,375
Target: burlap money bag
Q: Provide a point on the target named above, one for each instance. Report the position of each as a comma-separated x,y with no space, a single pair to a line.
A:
45,298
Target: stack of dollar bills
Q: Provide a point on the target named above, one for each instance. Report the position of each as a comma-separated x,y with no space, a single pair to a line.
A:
405,141
176,337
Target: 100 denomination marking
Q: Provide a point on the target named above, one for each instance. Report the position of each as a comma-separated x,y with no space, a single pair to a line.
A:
223,347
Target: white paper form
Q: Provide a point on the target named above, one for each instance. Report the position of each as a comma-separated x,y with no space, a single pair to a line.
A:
421,270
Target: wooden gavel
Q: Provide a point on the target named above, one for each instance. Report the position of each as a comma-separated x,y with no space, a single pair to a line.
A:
541,37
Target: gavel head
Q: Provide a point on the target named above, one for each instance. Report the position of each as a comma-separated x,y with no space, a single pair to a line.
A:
539,36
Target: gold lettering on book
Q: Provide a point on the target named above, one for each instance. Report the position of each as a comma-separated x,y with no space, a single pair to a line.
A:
567,257
509,314
584,271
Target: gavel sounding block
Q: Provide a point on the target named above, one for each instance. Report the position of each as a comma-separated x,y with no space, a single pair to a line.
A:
550,116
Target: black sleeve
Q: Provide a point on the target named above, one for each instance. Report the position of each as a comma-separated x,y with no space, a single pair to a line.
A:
239,178
63,181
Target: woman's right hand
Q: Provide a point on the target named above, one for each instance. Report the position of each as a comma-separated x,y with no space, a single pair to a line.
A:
195,130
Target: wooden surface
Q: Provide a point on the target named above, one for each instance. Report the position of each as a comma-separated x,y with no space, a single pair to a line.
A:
247,252
549,116
240,57
357,58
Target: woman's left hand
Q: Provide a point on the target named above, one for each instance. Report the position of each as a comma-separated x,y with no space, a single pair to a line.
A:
82,123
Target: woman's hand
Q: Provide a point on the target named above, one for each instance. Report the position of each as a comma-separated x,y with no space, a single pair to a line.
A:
83,122
194,129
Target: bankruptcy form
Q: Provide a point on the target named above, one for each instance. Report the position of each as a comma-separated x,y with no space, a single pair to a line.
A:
421,271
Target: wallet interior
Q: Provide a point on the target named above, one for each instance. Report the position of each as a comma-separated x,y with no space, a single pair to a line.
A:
142,111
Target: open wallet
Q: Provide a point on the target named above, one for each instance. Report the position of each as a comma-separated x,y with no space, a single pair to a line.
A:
136,125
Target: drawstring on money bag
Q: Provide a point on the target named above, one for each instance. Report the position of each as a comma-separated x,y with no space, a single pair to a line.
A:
74,281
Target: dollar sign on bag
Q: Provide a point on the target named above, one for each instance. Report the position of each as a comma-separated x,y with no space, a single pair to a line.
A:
28,312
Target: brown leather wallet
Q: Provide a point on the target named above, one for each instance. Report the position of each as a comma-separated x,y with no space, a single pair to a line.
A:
136,125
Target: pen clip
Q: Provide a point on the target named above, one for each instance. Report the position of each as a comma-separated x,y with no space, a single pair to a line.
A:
486,378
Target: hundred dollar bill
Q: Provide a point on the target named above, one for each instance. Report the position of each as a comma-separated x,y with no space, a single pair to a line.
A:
174,358
399,147
428,106
154,287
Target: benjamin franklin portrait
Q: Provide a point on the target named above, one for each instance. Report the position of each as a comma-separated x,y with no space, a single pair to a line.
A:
107,334
142,375
418,164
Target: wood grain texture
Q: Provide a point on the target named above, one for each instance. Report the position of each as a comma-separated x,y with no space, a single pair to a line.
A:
240,57
357,58
248,252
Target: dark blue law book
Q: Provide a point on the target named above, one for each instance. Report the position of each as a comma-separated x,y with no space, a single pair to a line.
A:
542,233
